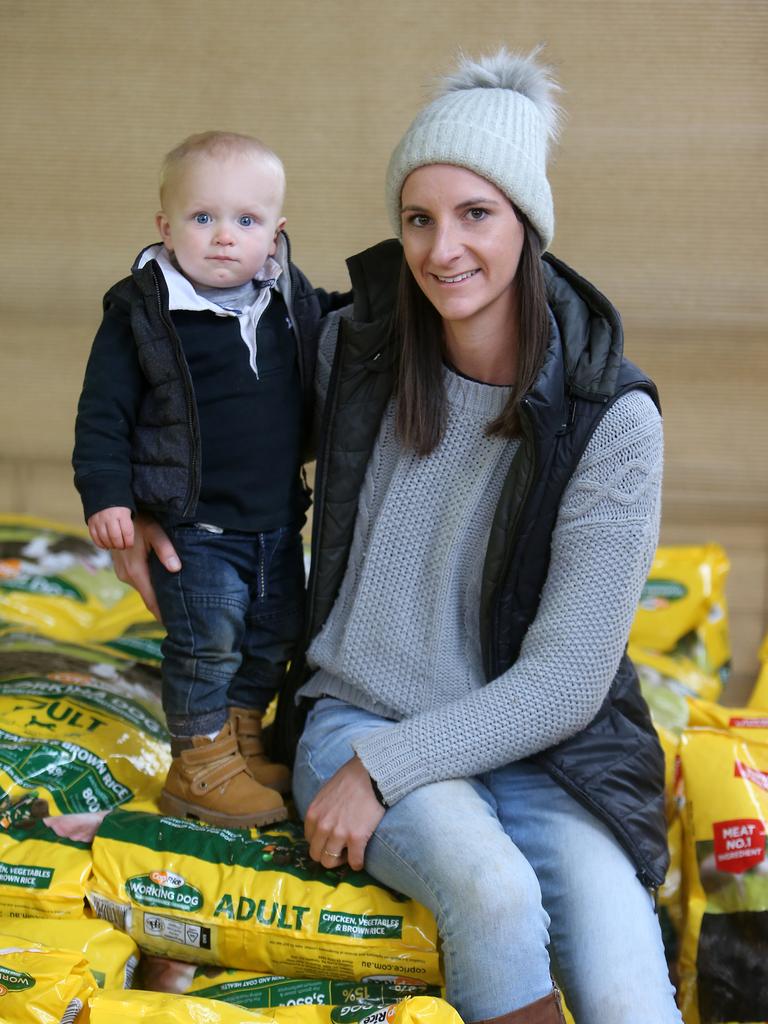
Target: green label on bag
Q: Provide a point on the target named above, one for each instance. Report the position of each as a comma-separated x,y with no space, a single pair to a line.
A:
25,876
665,590
164,889
78,779
14,981
360,926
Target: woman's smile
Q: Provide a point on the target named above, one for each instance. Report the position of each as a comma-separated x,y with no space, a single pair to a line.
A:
462,242
457,278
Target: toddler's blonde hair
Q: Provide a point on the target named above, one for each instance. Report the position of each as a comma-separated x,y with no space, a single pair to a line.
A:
218,145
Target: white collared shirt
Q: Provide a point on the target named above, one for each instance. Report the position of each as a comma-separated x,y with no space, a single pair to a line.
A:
182,295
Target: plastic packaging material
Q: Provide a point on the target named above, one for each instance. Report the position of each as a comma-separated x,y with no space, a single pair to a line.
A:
77,740
159,1008
112,956
759,698
725,938
41,873
253,900
683,610
55,581
39,985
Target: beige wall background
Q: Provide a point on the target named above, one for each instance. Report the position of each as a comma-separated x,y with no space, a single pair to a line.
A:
659,187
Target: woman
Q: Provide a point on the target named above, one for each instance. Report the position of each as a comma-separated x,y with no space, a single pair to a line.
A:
486,513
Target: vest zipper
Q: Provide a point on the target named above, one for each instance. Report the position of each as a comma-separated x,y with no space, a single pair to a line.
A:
331,400
288,299
193,487
493,662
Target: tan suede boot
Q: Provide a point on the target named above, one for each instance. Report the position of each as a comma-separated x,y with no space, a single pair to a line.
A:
547,1010
210,782
246,726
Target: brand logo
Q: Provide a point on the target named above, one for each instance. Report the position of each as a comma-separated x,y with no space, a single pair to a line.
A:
362,1013
14,981
164,889
167,878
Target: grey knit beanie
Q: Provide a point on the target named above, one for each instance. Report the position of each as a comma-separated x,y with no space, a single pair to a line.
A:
496,117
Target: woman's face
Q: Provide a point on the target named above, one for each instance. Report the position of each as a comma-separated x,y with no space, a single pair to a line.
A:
462,241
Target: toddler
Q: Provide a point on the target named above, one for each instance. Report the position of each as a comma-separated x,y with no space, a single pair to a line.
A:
195,405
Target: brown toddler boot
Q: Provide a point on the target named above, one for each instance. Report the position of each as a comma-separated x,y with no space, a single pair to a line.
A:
210,782
246,726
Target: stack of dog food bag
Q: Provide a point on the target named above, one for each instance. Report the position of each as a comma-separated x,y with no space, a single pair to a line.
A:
714,903
110,911
229,925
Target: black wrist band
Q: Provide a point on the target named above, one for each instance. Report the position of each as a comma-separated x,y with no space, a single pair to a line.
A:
377,793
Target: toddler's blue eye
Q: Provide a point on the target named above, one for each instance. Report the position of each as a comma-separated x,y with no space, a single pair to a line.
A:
203,218
245,221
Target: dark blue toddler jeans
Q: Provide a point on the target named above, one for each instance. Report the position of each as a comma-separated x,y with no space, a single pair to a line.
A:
233,613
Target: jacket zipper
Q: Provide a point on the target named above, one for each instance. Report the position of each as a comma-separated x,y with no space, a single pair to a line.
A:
331,401
527,431
193,487
294,322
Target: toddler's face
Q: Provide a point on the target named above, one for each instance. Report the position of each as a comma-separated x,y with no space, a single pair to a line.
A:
221,218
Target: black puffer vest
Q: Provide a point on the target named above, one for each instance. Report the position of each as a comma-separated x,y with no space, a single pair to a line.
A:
166,442
615,766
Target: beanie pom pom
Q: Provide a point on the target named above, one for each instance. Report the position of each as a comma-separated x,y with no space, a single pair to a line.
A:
518,73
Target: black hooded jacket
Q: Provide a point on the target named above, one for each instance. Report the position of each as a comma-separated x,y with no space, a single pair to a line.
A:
615,766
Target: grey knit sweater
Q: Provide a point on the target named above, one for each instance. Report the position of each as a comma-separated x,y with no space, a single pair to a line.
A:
402,639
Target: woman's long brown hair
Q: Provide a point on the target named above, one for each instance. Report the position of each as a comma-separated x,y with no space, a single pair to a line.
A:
420,393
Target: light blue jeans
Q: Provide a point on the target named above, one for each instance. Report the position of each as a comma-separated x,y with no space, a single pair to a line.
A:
521,879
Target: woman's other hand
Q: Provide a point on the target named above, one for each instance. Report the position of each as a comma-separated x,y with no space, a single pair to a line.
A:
343,817
132,564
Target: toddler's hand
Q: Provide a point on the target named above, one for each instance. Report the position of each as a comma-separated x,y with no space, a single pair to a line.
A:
112,528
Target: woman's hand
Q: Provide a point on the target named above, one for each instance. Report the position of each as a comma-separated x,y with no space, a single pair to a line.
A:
343,817
132,564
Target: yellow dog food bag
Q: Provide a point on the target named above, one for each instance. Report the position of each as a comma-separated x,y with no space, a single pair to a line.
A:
42,874
137,677
218,896
112,956
725,940
55,581
682,609
160,1008
81,746
39,985
257,991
